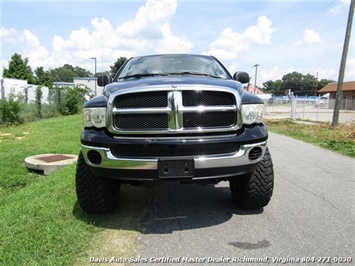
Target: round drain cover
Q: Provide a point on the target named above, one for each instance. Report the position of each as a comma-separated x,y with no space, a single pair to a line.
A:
49,162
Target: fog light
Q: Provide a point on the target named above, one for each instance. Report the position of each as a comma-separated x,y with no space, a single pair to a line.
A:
255,153
94,157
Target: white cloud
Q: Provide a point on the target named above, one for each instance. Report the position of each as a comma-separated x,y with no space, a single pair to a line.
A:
30,39
328,73
272,74
350,70
309,37
101,25
172,44
230,44
4,33
4,64
349,74
81,40
59,54
340,7
261,33
8,35
149,31
31,46
148,20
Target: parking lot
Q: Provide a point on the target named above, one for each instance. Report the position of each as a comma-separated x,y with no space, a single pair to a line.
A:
309,219
308,112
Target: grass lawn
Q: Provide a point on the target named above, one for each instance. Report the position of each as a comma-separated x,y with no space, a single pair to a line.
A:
40,220
340,139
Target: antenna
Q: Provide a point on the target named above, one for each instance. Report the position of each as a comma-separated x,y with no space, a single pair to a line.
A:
102,54
256,73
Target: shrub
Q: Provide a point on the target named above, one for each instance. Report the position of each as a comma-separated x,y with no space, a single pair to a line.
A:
64,101
10,111
29,112
70,100
39,102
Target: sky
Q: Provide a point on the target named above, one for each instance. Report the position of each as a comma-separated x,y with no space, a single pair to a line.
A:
278,36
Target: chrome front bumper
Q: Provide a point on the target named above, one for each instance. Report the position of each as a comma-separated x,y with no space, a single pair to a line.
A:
109,161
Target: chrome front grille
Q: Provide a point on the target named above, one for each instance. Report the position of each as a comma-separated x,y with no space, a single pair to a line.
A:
174,110
151,99
206,98
140,121
209,120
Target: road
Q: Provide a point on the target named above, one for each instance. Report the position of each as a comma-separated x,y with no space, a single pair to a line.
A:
311,216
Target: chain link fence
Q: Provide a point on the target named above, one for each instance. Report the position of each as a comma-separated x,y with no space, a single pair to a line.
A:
311,108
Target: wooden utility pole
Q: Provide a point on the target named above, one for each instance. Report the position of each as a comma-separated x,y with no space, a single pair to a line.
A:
316,88
339,93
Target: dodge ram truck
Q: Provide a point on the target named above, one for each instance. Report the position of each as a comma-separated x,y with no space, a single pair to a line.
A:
180,117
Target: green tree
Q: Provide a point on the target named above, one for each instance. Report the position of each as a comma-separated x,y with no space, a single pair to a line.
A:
323,82
81,72
299,84
67,72
62,74
309,85
273,87
19,69
117,65
292,81
43,78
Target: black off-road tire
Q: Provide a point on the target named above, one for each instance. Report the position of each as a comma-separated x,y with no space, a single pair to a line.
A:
95,194
254,191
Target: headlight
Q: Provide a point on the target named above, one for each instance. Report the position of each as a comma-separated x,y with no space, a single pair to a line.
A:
252,113
94,117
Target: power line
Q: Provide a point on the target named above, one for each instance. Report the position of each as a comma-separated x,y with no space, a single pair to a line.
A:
284,14
302,26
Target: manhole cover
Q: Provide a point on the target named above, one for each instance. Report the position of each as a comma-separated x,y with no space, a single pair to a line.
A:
47,163
54,158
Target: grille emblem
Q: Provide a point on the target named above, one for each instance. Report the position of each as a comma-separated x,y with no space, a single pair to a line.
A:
175,110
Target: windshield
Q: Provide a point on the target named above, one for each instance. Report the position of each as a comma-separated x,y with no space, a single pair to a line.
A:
172,65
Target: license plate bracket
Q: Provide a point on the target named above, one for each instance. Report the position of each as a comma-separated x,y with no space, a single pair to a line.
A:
176,167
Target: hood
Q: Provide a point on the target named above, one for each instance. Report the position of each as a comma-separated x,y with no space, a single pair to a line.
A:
172,80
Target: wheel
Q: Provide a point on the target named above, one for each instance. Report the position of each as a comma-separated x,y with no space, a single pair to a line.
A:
254,190
95,194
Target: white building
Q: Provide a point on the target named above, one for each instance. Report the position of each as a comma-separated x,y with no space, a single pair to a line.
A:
90,83
61,84
18,87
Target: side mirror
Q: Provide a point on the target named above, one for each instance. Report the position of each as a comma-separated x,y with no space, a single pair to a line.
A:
103,80
242,77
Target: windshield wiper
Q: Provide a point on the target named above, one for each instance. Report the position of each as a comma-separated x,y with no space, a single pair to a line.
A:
141,75
137,76
195,74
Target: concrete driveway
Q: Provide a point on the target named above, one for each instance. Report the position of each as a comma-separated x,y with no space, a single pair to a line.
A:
311,217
